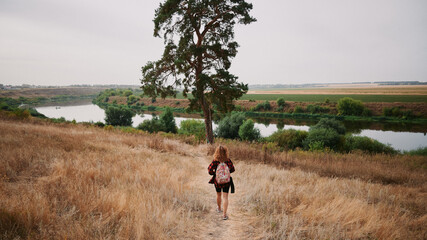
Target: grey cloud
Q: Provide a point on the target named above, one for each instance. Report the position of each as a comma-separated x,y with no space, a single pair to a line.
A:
51,42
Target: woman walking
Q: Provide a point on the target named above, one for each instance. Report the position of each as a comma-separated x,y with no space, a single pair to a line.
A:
220,168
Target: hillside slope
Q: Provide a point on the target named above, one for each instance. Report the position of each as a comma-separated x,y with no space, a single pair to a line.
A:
76,182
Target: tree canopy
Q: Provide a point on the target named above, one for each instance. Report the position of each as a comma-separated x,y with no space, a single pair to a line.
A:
199,45
118,116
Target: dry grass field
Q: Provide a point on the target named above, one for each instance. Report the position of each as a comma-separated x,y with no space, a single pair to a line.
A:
51,92
71,182
64,181
367,89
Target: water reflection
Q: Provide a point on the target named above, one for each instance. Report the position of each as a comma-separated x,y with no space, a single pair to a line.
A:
399,135
398,140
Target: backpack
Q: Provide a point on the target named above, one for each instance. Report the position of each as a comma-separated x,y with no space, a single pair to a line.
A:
222,174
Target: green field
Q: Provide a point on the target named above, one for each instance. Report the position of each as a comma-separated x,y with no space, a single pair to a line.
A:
332,97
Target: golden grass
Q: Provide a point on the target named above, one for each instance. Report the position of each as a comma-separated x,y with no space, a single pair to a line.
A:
64,181
51,92
72,182
299,205
380,168
351,89
332,196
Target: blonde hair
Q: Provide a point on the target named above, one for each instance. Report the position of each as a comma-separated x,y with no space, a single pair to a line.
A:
221,154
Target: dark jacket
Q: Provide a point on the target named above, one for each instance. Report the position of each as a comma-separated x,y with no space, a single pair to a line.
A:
212,169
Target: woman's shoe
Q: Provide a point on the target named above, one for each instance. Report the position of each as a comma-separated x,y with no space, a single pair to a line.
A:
218,210
225,217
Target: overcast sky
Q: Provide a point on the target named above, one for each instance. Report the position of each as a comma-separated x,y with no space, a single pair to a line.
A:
52,42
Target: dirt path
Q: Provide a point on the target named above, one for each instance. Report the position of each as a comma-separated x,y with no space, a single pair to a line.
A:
238,226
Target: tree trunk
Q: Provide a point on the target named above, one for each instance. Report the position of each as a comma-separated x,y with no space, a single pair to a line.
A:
206,106
207,112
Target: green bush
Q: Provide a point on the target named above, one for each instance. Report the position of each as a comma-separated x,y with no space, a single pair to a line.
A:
22,113
350,106
397,112
280,124
257,107
265,121
131,99
99,124
151,108
127,93
366,144
327,137
313,109
247,131
267,105
152,125
238,108
168,121
281,102
35,113
316,146
288,139
298,109
4,106
391,112
330,123
367,112
12,105
193,127
229,126
58,120
421,151
119,116
263,106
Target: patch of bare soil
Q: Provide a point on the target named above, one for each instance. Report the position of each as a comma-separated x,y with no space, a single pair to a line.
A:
417,108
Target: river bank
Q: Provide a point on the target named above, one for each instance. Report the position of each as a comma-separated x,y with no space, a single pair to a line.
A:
399,136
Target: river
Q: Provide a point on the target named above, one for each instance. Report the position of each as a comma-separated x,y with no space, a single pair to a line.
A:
401,140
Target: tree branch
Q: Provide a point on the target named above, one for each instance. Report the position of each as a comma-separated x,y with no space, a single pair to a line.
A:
218,16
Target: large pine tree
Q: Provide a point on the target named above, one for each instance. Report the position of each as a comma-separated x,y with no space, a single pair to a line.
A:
199,46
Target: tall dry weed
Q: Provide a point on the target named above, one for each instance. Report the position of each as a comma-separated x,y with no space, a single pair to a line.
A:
74,182
292,204
305,195
69,181
379,168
